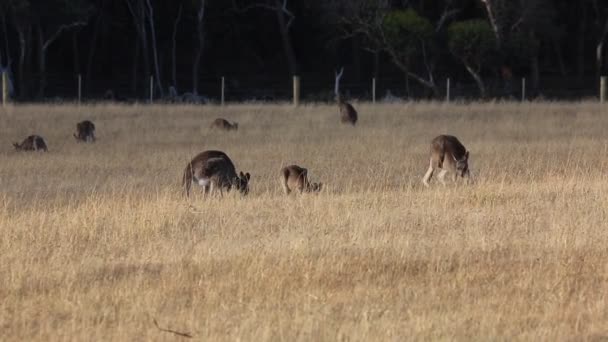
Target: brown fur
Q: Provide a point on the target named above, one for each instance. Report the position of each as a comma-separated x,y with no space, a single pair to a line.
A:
223,124
215,170
85,131
294,177
32,143
449,155
348,114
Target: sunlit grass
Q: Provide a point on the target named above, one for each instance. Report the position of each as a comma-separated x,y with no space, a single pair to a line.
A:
97,240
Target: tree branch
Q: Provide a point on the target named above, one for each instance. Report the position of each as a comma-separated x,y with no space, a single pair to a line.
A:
178,333
277,7
60,30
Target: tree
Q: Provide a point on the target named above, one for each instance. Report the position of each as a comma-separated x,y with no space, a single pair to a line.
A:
520,27
200,34
600,9
48,20
142,13
407,35
409,38
285,19
472,42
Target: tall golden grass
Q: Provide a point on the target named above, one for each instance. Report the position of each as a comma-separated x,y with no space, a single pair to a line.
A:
96,241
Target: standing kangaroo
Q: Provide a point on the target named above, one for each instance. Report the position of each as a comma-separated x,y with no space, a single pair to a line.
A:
224,124
85,131
32,143
214,169
348,114
449,155
294,177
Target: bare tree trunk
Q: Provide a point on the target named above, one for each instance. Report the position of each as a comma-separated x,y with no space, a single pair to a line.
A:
75,53
135,68
43,45
200,29
560,57
377,64
41,63
600,50
356,53
286,39
490,8
21,67
138,12
154,50
427,83
580,46
478,80
93,49
174,47
535,74
6,44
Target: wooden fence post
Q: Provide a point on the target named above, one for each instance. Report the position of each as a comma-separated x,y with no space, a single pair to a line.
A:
151,89
4,89
602,89
79,88
374,90
223,92
296,91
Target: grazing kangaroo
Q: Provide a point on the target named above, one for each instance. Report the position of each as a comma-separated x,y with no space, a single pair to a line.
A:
32,143
214,169
224,124
85,131
294,177
348,114
449,155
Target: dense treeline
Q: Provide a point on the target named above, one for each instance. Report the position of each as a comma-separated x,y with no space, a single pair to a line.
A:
188,44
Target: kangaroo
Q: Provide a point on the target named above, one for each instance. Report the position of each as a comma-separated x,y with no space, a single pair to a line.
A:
348,114
449,155
85,131
214,169
32,143
294,177
223,124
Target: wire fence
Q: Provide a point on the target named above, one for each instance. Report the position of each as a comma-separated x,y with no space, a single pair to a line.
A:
256,88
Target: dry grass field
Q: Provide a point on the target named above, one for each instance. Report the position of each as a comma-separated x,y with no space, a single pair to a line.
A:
96,241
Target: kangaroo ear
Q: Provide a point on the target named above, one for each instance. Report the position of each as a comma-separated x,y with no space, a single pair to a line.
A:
248,176
241,174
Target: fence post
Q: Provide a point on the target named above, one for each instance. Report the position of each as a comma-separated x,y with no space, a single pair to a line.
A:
374,90
523,89
223,90
447,91
4,89
151,89
296,91
602,89
79,88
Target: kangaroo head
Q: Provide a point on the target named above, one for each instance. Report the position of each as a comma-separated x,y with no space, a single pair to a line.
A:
462,164
316,187
242,182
